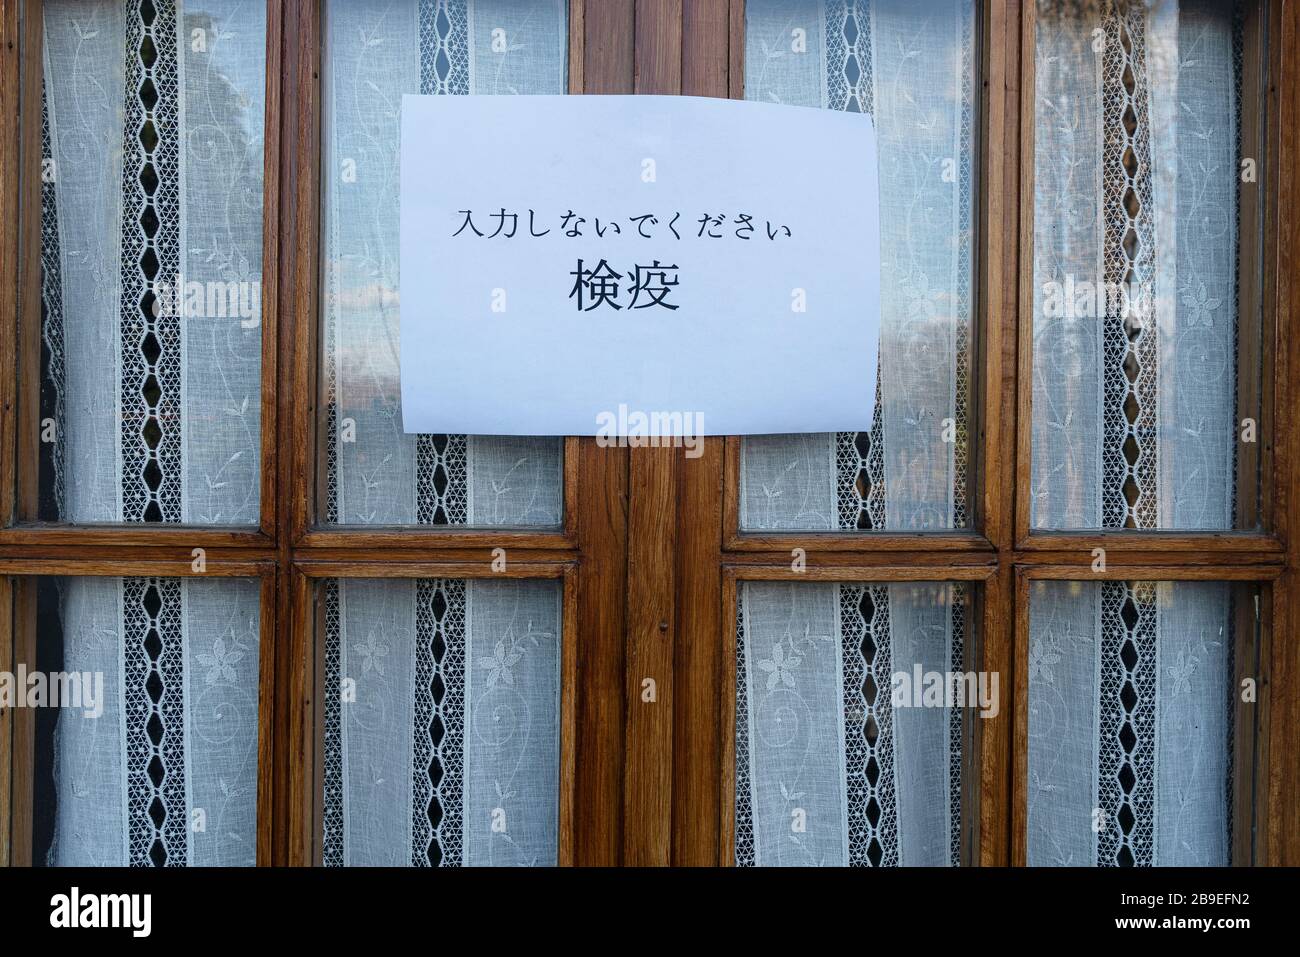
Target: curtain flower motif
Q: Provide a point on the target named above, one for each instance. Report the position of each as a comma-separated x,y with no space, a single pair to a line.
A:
1200,307
221,663
1181,672
780,667
373,653
1041,661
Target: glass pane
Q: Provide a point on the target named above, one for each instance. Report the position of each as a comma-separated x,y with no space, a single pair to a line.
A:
850,705
442,722
1131,718
151,256
1146,349
146,748
376,50
912,65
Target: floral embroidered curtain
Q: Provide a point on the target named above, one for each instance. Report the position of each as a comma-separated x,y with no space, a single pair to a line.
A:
151,240
827,771
1137,120
1130,723
1136,403
375,51
449,754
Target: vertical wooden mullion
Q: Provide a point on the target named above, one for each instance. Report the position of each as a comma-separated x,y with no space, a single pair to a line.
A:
273,464
312,621
1018,42
1250,624
989,786
1001,260
1020,306
726,805
652,546
698,657
300,168
300,159
1283,770
27,260
1251,318
606,66
10,99
1020,724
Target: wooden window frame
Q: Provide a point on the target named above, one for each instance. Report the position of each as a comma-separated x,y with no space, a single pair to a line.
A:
30,548
306,816
650,548
588,551
983,739
1259,355
1257,836
20,341
288,549
999,549
18,628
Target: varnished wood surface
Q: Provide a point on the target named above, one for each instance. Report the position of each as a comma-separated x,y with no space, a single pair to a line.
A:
650,551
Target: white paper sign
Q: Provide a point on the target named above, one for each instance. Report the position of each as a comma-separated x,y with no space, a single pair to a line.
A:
568,262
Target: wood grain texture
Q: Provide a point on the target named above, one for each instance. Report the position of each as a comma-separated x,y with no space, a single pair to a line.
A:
23,776
706,47
990,803
1002,249
1283,780
697,654
1252,625
1019,757
609,45
11,95
602,591
296,774
699,660
268,725
651,634
603,44
301,734
650,537
27,190
651,544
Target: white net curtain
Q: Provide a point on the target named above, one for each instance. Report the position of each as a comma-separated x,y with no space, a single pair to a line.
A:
1135,409
912,66
152,180
449,755
828,772
1130,723
1137,119
375,51
442,730
1137,124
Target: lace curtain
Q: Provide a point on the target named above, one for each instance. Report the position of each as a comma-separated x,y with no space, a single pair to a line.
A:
376,50
166,775
1130,723
828,771
151,242
450,753
818,743
911,65
442,723
1137,124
